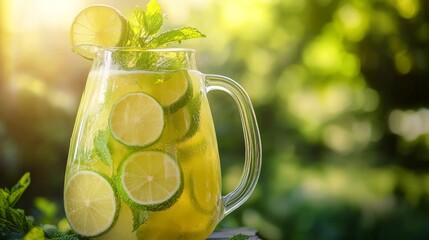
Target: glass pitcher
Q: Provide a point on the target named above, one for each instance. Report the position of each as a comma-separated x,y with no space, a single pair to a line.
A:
143,160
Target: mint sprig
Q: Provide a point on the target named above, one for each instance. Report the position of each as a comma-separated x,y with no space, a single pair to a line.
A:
14,224
145,24
175,35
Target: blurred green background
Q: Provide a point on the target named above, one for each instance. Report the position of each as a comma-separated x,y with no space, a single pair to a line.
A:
340,89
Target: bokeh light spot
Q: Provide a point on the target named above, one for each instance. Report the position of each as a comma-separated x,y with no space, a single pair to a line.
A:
354,20
407,8
403,62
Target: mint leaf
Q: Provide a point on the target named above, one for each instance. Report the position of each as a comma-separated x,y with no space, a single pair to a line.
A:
239,237
36,233
19,188
137,27
140,216
52,233
154,17
48,209
101,147
13,223
145,24
175,35
4,197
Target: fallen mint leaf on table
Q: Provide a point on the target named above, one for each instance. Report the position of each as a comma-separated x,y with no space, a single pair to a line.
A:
239,237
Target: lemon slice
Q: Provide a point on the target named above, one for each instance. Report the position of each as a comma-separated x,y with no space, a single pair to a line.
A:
90,203
136,119
97,25
151,179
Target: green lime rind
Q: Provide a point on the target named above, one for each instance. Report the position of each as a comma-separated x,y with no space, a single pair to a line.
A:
193,195
116,200
119,139
87,32
148,207
184,123
194,109
183,100
163,87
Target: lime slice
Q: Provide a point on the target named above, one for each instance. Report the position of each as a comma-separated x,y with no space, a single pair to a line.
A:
151,179
136,119
183,123
98,25
205,192
172,90
90,203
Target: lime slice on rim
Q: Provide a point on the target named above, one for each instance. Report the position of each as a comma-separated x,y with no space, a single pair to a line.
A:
136,119
97,25
90,203
151,179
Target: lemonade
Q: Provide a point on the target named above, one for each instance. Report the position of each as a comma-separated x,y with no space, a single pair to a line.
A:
160,155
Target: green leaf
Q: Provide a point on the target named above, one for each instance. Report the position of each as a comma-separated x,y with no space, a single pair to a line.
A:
101,147
49,209
175,35
154,17
52,233
4,197
140,216
137,27
19,188
239,237
13,223
69,237
36,233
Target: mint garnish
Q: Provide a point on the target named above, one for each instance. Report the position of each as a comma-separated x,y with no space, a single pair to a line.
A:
101,147
140,216
14,224
145,24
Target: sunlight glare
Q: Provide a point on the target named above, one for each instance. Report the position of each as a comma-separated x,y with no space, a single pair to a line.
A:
56,13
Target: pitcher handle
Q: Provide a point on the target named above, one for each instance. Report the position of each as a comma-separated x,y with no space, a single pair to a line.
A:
252,140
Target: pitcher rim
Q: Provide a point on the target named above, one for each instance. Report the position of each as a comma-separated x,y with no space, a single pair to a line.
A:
140,49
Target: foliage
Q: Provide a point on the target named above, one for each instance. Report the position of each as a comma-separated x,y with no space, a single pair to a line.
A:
340,92
14,224
145,24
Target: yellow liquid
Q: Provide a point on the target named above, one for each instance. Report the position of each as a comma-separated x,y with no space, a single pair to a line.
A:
188,136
